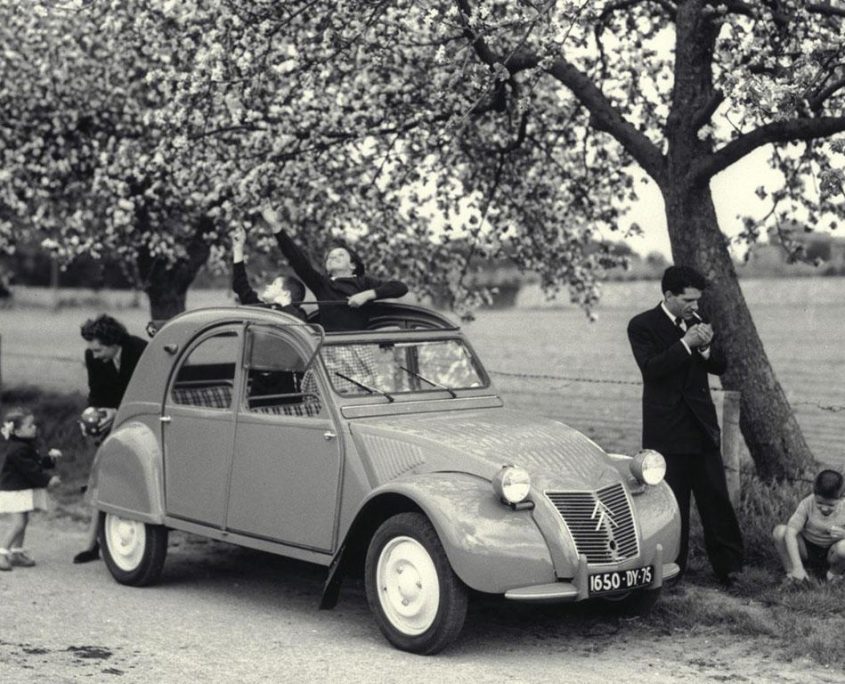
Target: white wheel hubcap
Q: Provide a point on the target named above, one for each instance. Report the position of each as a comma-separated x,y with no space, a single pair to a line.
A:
408,588
126,540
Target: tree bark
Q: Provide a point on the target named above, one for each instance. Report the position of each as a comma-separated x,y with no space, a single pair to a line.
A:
771,432
166,282
167,298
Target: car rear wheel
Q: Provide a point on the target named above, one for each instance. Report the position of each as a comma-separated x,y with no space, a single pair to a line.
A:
418,602
134,551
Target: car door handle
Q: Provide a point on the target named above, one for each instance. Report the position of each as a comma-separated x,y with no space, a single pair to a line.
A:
329,436
165,419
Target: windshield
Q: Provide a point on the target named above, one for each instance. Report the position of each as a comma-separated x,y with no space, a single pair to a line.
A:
388,368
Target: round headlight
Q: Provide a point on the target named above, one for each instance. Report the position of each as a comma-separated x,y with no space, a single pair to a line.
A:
512,484
648,466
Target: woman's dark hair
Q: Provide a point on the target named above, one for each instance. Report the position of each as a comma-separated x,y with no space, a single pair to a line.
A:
358,268
16,416
105,329
828,484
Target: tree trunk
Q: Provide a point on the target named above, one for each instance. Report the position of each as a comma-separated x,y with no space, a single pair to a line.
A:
166,282
166,302
767,421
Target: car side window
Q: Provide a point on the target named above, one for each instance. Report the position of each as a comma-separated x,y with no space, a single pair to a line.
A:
206,377
278,381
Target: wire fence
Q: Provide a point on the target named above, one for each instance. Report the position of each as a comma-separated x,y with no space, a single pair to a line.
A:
548,377
605,409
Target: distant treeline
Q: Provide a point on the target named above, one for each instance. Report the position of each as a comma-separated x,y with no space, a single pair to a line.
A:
32,266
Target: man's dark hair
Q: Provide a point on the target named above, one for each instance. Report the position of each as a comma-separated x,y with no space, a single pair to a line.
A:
105,329
676,279
296,289
358,268
828,484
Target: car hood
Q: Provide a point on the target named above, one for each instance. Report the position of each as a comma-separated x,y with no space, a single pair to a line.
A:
480,443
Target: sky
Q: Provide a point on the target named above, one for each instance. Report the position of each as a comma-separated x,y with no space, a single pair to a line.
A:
733,195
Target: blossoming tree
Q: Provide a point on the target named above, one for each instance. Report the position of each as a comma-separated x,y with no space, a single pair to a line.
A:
149,127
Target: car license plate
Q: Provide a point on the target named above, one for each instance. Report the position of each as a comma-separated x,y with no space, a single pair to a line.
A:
620,580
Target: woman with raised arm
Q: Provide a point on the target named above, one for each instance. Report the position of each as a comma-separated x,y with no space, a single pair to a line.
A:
344,280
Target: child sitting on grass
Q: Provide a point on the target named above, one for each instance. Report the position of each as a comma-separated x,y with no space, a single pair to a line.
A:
23,483
815,534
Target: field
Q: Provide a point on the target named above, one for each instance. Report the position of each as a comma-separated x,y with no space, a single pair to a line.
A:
544,357
550,360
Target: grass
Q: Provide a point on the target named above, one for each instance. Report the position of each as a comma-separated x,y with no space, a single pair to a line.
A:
803,620
799,621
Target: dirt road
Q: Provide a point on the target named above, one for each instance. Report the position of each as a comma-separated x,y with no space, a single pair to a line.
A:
224,614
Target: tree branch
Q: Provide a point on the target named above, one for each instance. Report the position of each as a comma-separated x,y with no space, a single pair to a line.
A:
825,94
703,115
604,117
825,8
777,132
623,5
735,7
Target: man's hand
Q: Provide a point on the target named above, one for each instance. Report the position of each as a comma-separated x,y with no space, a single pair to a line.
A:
271,216
238,241
54,481
54,453
837,531
698,335
361,298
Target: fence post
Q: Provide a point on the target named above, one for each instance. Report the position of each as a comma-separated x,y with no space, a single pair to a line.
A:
731,443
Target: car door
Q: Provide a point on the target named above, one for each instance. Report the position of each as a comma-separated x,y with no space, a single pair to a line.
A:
287,459
198,425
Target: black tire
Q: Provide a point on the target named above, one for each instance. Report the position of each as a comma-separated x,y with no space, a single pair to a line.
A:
134,551
407,542
636,603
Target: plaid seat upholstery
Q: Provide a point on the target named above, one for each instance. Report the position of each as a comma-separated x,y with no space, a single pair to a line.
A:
310,405
210,396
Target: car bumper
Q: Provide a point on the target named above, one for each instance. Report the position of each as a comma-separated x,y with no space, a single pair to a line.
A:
577,589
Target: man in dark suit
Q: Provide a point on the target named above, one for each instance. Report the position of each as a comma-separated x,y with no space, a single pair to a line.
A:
675,350
110,359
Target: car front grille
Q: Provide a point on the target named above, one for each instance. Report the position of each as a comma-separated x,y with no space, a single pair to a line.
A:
600,522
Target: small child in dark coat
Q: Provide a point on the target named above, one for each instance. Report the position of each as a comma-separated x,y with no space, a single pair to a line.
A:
23,484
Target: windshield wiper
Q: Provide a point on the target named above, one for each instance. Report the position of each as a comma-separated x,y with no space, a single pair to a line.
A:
430,382
371,390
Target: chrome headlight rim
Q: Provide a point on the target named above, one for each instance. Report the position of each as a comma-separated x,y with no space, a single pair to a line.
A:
512,484
648,467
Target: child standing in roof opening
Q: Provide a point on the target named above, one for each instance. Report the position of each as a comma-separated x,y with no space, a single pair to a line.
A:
282,293
344,279
23,484
814,537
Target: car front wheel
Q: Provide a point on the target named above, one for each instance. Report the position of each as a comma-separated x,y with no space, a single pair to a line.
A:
134,551
418,601
636,603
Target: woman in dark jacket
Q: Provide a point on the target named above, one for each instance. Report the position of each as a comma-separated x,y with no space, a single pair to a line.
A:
344,281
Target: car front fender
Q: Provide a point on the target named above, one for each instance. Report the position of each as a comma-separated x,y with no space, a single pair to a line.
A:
126,475
490,547
659,518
